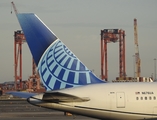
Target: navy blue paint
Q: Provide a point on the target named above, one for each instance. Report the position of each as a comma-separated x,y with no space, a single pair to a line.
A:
48,79
58,50
71,77
49,57
43,62
57,85
73,67
54,69
82,67
67,62
94,79
61,74
50,63
38,36
44,71
59,55
82,78
62,59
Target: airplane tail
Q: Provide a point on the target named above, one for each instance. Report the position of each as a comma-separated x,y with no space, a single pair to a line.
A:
58,67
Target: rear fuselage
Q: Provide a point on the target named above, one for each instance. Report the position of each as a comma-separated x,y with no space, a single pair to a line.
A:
110,101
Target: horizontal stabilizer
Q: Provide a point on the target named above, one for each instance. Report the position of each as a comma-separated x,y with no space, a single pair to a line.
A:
21,94
62,97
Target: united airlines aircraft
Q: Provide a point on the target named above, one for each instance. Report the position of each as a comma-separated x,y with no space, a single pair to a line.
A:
72,87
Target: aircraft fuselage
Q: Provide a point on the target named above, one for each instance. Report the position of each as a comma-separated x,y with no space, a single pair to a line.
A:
109,101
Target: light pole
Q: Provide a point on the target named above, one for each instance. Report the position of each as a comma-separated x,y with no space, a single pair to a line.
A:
154,68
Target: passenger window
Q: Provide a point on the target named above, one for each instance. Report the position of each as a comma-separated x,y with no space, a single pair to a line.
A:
136,98
145,98
141,98
154,98
150,98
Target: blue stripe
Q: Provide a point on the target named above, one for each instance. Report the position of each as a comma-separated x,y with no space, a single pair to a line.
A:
82,78
57,85
49,56
58,50
61,74
43,62
67,62
82,67
70,64
50,63
74,64
57,46
62,59
48,79
54,69
43,72
59,55
71,77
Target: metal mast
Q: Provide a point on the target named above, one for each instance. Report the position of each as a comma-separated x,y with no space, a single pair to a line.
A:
15,10
137,56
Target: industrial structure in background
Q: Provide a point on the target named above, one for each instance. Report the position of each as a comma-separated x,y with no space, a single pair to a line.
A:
118,35
19,39
137,55
108,36
137,67
33,84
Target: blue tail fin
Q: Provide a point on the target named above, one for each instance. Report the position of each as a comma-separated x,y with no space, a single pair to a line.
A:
58,67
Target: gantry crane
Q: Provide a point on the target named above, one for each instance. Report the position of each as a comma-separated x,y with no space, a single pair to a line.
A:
137,56
19,38
34,80
108,36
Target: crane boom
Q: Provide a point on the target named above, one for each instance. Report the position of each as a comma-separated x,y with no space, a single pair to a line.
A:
137,56
15,10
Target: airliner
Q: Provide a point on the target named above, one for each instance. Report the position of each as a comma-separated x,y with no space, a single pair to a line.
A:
72,87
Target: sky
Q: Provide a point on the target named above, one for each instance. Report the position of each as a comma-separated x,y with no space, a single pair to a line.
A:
78,24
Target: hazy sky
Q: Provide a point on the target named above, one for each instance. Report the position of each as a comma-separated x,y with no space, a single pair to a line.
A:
78,23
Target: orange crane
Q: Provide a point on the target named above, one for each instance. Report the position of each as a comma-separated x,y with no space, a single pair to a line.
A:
137,56
19,39
108,36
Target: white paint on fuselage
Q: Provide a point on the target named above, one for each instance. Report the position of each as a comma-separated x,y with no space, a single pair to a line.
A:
114,100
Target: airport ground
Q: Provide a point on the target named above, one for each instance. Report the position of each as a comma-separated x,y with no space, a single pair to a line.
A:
19,109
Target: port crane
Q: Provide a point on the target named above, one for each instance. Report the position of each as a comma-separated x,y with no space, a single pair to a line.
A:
137,56
15,10
33,81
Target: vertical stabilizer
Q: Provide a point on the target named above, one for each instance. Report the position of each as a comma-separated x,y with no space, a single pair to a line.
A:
58,67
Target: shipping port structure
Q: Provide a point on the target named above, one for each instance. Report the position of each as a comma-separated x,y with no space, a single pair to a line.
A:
33,83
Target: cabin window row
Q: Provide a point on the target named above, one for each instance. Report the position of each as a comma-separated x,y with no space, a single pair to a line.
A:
146,98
